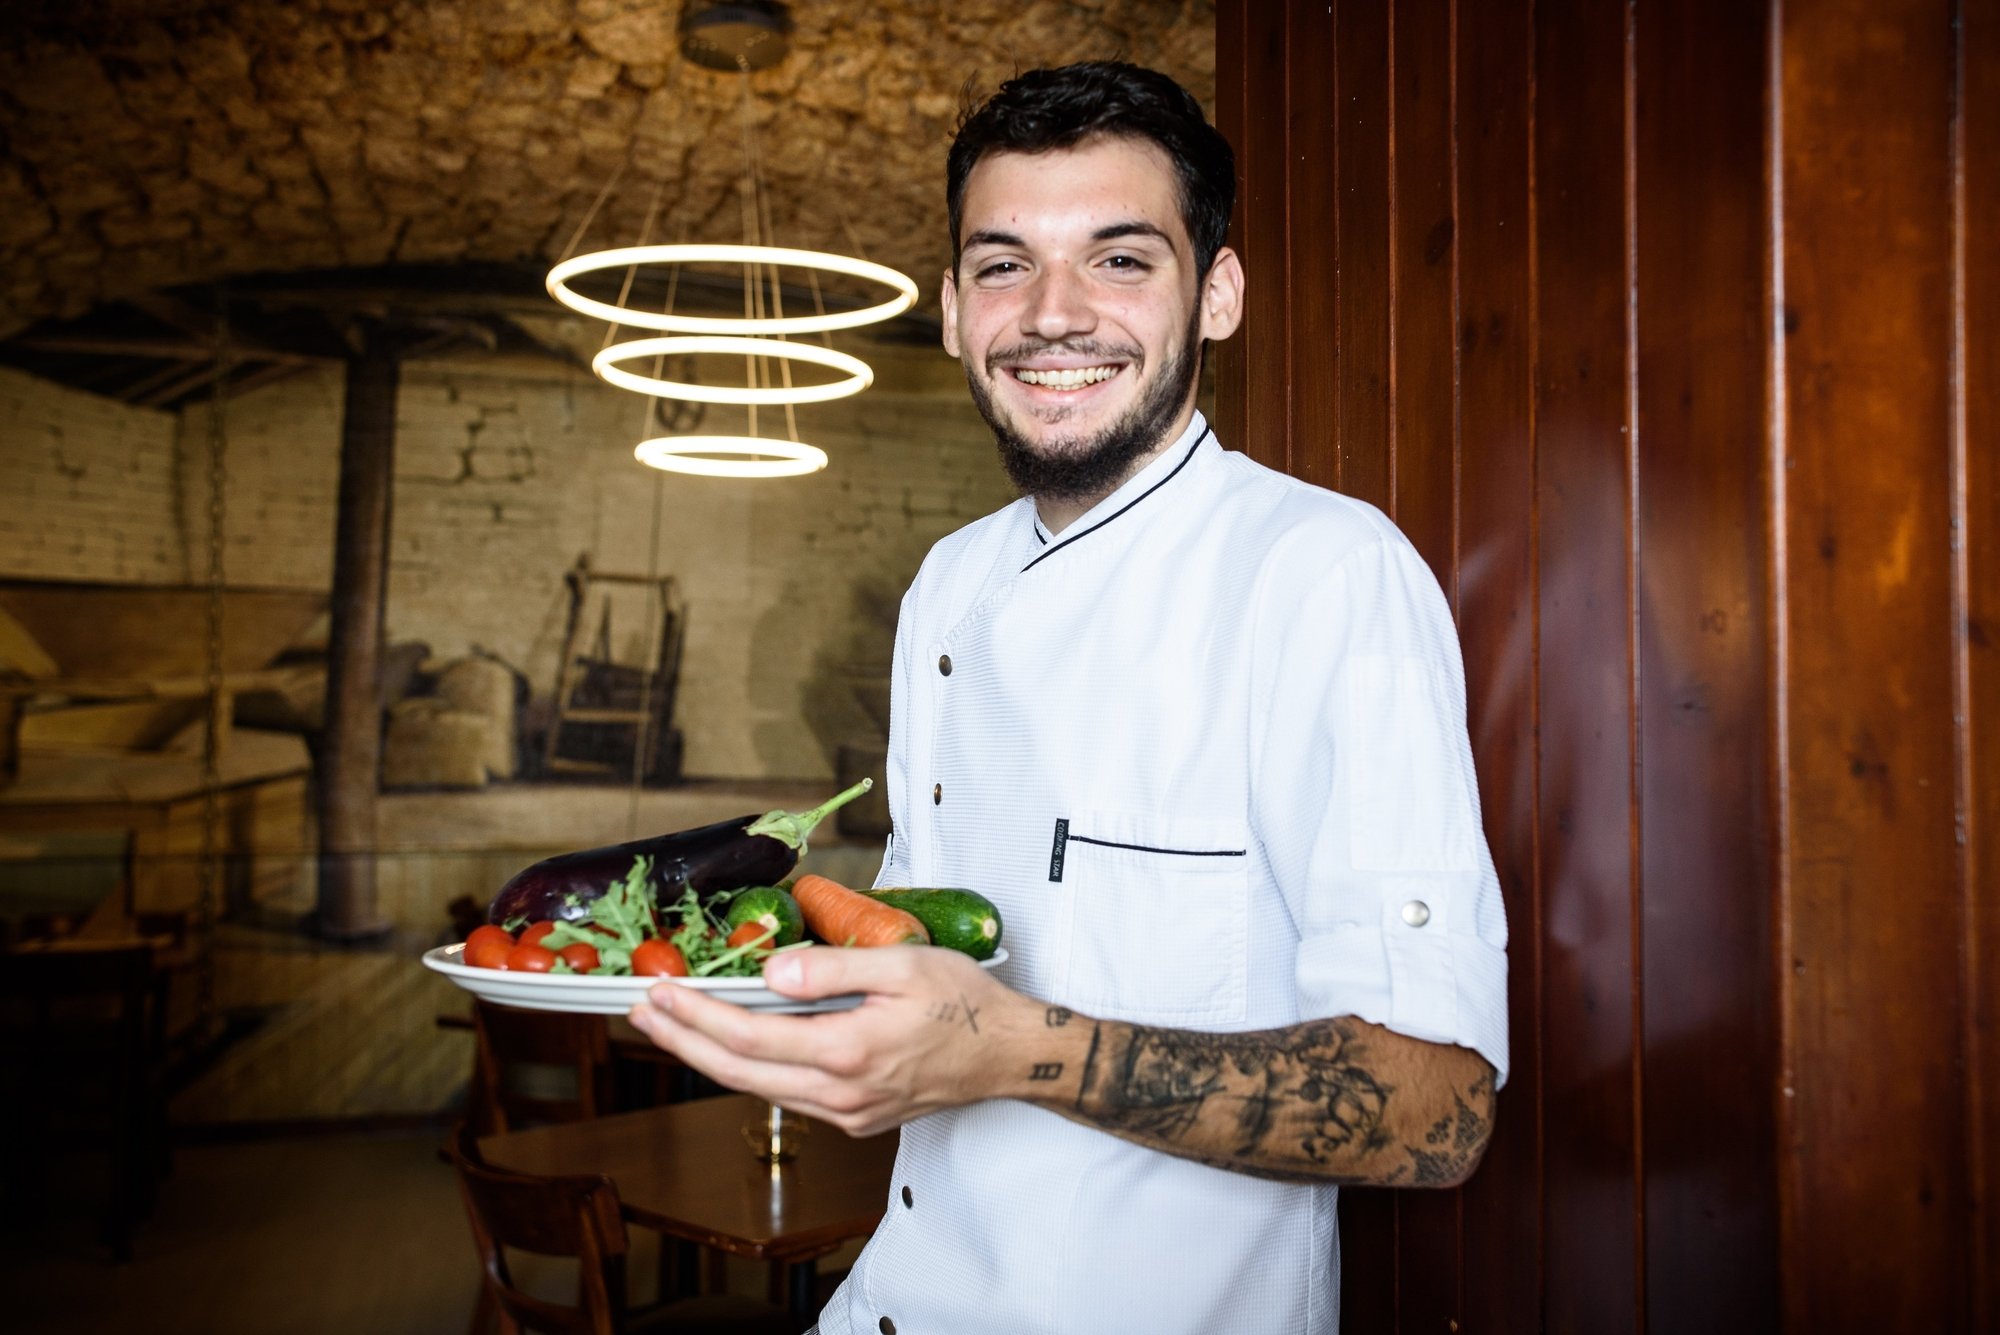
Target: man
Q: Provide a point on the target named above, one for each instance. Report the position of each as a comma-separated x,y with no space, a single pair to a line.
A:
1198,729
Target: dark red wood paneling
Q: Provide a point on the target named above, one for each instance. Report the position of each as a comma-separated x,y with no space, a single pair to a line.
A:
1979,447
1878,1136
1423,399
1583,482
1503,1259
1424,369
1710,1024
1312,274
1360,129
1261,151
1230,86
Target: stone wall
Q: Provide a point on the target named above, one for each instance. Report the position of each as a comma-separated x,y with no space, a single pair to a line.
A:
507,471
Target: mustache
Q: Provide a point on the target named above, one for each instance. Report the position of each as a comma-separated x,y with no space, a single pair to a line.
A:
1074,347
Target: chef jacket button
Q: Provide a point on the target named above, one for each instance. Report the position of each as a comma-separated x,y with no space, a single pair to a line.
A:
937,794
944,664
1416,913
886,1326
908,1199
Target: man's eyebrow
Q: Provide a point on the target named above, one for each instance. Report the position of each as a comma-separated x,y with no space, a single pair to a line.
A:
1113,231
992,238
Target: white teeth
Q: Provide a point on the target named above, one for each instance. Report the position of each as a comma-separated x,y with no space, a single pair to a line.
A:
1067,379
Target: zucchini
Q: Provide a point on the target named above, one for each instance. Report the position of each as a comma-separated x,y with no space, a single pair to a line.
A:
961,920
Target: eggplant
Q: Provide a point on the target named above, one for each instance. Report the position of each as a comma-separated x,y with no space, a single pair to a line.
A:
714,859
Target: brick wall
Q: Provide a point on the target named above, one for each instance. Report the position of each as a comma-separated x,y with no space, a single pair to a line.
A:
86,487
505,472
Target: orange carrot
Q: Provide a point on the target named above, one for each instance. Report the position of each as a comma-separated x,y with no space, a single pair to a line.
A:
844,917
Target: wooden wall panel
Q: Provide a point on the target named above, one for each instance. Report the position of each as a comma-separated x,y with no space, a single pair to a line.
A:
1871,864
1423,389
1583,482
1231,93
1361,394
1704,707
1261,229
1978,258
1693,403
1495,579
1315,350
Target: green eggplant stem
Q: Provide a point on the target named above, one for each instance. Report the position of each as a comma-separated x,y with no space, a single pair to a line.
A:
791,828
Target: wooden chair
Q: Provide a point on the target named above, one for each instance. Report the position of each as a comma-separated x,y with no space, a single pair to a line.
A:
579,1218
516,1047
80,1066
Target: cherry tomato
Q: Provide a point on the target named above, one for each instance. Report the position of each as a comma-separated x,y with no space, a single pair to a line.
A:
530,959
487,947
752,931
654,958
532,934
581,957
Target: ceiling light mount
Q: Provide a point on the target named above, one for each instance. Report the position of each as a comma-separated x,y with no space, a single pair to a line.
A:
746,35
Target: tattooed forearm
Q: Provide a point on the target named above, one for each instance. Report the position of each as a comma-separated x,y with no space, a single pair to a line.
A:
1328,1100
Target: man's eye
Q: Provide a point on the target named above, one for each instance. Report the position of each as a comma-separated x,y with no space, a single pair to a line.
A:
1127,264
999,269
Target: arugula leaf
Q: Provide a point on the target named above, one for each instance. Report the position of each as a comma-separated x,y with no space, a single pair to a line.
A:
624,915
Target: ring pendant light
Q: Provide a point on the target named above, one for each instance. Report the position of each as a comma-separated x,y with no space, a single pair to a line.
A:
607,365
730,456
768,256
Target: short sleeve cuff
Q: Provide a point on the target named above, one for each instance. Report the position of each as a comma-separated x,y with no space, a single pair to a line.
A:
1414,975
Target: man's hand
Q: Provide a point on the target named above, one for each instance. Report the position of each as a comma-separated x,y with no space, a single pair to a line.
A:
930,1034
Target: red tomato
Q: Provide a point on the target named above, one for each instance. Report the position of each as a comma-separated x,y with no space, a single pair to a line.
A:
752,931
581,957
654,958
487,947
532,934
530,959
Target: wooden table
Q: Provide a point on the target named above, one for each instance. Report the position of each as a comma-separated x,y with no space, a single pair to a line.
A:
685,1170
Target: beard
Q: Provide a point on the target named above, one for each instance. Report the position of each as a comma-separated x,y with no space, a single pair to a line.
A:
1076,467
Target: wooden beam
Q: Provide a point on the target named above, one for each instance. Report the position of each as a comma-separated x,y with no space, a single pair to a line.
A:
351,744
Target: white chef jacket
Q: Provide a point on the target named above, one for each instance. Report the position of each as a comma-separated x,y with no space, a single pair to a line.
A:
1206,751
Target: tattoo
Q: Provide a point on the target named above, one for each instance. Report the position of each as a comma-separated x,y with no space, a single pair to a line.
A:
1339,1100
1465,1131
1057,1017
1306,1086
1046,1071
948,1012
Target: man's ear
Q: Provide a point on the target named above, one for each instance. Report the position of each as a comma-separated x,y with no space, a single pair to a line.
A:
1222,296
948,298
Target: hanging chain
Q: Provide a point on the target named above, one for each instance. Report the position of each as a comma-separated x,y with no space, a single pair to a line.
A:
211,870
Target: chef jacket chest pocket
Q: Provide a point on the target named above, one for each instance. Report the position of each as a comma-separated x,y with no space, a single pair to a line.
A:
1158,917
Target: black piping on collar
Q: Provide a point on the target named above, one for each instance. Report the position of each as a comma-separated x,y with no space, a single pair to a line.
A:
1123,508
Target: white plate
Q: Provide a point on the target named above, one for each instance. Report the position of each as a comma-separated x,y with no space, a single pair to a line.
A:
615,996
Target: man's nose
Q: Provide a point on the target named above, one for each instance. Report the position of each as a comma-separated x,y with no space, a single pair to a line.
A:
1058,305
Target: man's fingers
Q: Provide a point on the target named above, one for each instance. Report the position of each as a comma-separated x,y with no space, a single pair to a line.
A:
832,971
788,1084
800,1040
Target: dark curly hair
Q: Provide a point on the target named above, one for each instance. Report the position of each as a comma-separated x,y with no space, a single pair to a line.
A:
1058,108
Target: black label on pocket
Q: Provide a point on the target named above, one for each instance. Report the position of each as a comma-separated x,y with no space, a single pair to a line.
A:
1056,853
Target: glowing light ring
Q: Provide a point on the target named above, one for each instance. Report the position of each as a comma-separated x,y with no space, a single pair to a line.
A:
746,456
605,363
623,256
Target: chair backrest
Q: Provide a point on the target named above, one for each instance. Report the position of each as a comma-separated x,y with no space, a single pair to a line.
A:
516,1046
551,1216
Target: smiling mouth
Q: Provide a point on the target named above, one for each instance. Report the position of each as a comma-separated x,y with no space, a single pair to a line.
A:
1067,378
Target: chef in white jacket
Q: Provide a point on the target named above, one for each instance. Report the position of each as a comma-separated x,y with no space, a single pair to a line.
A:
1198,730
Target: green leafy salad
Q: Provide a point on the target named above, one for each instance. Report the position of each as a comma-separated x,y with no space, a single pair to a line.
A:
626,924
